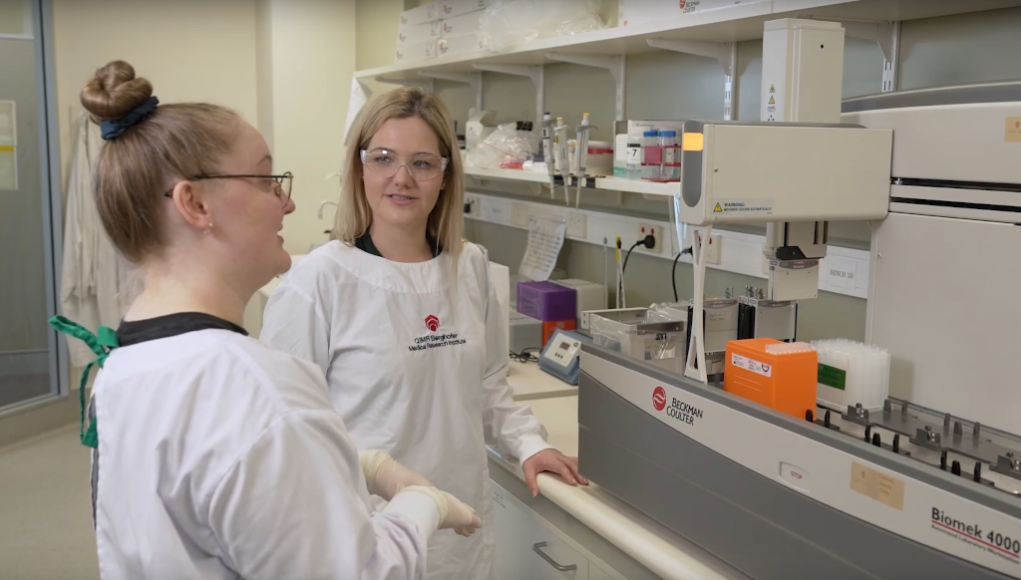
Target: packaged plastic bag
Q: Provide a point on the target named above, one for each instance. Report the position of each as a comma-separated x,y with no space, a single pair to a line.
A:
504,148
508,24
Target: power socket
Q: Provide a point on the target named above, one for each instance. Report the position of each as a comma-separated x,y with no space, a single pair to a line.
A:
713,254
577,226
647,230
471,207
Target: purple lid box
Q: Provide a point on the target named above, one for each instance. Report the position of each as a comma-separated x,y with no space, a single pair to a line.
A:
547,301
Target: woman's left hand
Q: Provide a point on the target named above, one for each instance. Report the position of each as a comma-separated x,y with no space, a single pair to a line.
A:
555,462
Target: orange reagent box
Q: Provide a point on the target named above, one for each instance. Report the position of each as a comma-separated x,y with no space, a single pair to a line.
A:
550,326
779,375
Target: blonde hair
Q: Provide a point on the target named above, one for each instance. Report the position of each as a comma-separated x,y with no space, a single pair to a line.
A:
174,142
446,221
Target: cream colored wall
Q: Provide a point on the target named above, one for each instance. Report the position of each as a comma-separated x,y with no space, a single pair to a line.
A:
313,60
191,50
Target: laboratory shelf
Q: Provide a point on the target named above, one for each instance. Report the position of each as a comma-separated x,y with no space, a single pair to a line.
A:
733,24
605,183
506,174
637,186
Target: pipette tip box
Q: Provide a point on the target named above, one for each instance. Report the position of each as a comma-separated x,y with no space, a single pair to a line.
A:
547,301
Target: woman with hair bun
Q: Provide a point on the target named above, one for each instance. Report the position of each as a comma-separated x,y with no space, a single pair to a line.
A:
214,456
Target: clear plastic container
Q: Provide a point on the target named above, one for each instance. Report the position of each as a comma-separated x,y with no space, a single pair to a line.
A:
652,155
671,155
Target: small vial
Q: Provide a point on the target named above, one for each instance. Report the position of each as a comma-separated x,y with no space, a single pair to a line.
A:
671,168
652,155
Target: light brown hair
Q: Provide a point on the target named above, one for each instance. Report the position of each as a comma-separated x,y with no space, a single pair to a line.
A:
446,221
135,169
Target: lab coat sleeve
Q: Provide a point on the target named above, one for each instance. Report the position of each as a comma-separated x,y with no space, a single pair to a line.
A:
510,427
295,323
289,507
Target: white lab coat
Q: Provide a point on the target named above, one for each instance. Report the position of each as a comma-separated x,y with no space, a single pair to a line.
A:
97,283
221,459
414,369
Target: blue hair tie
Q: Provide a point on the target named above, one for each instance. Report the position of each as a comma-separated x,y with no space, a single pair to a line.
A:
114,128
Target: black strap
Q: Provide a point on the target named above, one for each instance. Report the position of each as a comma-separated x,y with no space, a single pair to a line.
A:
364,243
139,331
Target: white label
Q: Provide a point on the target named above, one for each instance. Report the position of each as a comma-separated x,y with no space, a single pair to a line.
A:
794,475
773,101
732,206
842,273
751,365
634,155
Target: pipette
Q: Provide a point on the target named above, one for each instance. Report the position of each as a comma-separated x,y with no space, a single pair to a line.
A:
560,152
547,151
581,155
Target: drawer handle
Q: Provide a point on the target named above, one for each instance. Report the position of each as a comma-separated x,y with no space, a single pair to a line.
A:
538,550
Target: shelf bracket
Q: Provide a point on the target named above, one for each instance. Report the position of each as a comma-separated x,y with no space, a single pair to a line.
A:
424,84
885,33
615,65
535,73
724,52
474,80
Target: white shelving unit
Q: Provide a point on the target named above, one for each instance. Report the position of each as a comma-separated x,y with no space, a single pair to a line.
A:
735,24
648,188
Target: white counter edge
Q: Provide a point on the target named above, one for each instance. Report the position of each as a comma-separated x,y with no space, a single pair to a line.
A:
649,543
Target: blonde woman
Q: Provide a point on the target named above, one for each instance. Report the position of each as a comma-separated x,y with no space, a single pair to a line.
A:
401,315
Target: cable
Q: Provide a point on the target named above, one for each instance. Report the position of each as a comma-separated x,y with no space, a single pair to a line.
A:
628,255
648,241
673,272
525,356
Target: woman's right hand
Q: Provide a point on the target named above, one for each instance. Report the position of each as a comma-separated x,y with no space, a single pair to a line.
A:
454,513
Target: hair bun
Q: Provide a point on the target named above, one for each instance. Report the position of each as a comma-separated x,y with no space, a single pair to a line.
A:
114,91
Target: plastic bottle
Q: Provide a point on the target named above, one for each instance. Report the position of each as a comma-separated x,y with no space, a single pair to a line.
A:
671,155
634,156
652,155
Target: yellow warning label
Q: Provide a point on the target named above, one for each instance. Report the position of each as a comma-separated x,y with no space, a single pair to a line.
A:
772,88
718,209
772,101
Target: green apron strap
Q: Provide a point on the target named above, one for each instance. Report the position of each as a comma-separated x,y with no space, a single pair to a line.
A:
102,344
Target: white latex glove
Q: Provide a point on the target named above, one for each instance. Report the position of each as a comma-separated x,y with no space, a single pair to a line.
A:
384,476
454,514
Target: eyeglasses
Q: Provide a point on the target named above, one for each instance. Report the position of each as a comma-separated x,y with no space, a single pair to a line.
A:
386,163
281,184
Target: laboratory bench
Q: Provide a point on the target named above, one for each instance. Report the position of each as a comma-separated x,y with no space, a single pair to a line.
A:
579,532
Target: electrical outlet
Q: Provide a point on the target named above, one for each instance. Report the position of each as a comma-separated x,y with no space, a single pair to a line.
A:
577,226
713,254
658,233
519,215
471,207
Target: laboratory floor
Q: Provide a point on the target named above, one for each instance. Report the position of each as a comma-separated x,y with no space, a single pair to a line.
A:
45,512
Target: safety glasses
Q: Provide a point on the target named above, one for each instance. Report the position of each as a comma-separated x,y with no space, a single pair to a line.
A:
385,163
280,184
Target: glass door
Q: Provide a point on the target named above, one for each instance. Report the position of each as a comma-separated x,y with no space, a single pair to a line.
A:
28,348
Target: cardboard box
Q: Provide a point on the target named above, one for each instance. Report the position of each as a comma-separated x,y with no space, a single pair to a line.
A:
430,31
423,14
453,8
461,25
633,12
460,44
416,51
